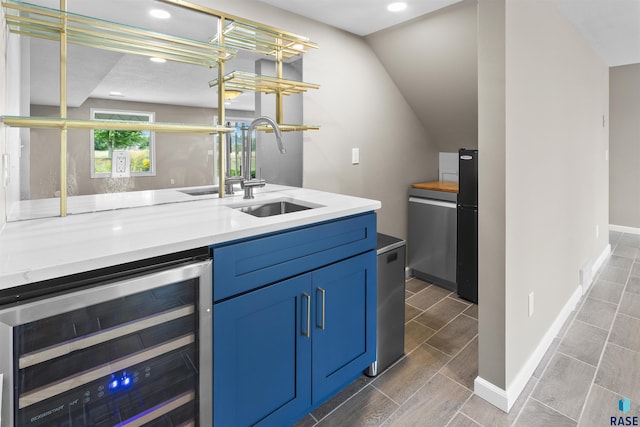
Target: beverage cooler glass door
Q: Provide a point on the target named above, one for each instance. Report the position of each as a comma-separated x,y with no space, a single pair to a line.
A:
125,353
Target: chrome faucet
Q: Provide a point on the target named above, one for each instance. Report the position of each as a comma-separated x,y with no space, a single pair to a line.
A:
229,180
247,183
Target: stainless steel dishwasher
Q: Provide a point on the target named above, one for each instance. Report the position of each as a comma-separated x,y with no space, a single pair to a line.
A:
432,236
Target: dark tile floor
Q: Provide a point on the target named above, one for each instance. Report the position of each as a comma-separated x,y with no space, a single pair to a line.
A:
594,362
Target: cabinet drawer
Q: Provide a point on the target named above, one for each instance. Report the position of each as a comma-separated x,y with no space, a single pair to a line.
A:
247,265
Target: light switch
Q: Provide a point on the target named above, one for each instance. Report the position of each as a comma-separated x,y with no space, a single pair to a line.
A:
355,156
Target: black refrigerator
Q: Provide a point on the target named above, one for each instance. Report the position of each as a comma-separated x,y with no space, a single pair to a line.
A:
467,240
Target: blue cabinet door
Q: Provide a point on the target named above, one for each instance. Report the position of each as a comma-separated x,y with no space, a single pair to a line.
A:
262,355
344,324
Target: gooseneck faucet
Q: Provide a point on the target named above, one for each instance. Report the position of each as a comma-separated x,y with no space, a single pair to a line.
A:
229,180
247,183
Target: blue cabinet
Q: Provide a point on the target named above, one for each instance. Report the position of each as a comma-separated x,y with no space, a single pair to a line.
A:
283,347
245,265
344,334
262,355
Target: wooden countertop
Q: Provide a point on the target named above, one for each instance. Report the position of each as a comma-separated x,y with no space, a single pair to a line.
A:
448,186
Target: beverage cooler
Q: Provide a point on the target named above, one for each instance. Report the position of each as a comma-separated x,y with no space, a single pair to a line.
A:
120,351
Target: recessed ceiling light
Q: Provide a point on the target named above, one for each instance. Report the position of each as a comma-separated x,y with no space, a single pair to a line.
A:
232,94
160,14
115,93
396,7
157,60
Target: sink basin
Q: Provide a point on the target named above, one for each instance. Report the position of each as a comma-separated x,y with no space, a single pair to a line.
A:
200,191
277,207
274,208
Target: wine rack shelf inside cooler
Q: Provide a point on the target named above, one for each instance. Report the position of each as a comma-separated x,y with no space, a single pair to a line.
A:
113,363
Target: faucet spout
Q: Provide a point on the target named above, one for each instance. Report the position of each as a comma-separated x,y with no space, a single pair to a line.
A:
274,125
248,183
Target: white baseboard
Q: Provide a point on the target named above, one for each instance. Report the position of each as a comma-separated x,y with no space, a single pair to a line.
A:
596,266
624,229
600,260
491,393
504,399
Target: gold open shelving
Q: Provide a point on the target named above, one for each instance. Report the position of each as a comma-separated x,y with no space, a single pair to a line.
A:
66,123
242,81
268,41
233,33
42,22
288,128
243,34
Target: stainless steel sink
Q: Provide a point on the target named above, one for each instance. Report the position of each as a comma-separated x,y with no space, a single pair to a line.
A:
202,191
273,208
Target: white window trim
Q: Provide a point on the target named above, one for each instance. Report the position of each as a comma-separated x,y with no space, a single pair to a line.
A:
152,143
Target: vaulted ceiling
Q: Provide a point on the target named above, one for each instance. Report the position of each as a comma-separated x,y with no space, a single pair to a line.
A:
612,27
433,61
360,17
429,51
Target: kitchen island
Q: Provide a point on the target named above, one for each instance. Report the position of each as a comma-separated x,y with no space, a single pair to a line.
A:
36,250
288,322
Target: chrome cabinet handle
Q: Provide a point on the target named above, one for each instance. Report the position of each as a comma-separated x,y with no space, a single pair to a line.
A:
322,296
308,331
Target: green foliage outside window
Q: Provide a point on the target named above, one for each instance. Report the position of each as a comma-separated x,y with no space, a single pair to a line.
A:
137,142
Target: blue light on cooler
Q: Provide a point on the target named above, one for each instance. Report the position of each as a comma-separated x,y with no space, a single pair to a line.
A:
123,382
113,384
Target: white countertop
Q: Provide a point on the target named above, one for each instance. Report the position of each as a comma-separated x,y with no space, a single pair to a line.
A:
41,249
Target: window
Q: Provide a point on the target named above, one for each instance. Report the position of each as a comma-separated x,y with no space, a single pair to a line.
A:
235,158
139,145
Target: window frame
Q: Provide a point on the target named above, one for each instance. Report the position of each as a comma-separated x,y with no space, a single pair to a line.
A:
152,142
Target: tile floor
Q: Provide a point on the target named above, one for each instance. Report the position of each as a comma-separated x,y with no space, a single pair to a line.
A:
593,362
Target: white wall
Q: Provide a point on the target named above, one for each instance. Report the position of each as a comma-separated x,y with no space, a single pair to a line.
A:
434,61
8,59
13,108
624,208
357,106
3,132
556,184
491,192
273,166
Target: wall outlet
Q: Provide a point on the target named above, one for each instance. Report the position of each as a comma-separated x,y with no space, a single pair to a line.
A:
530,304
355,156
